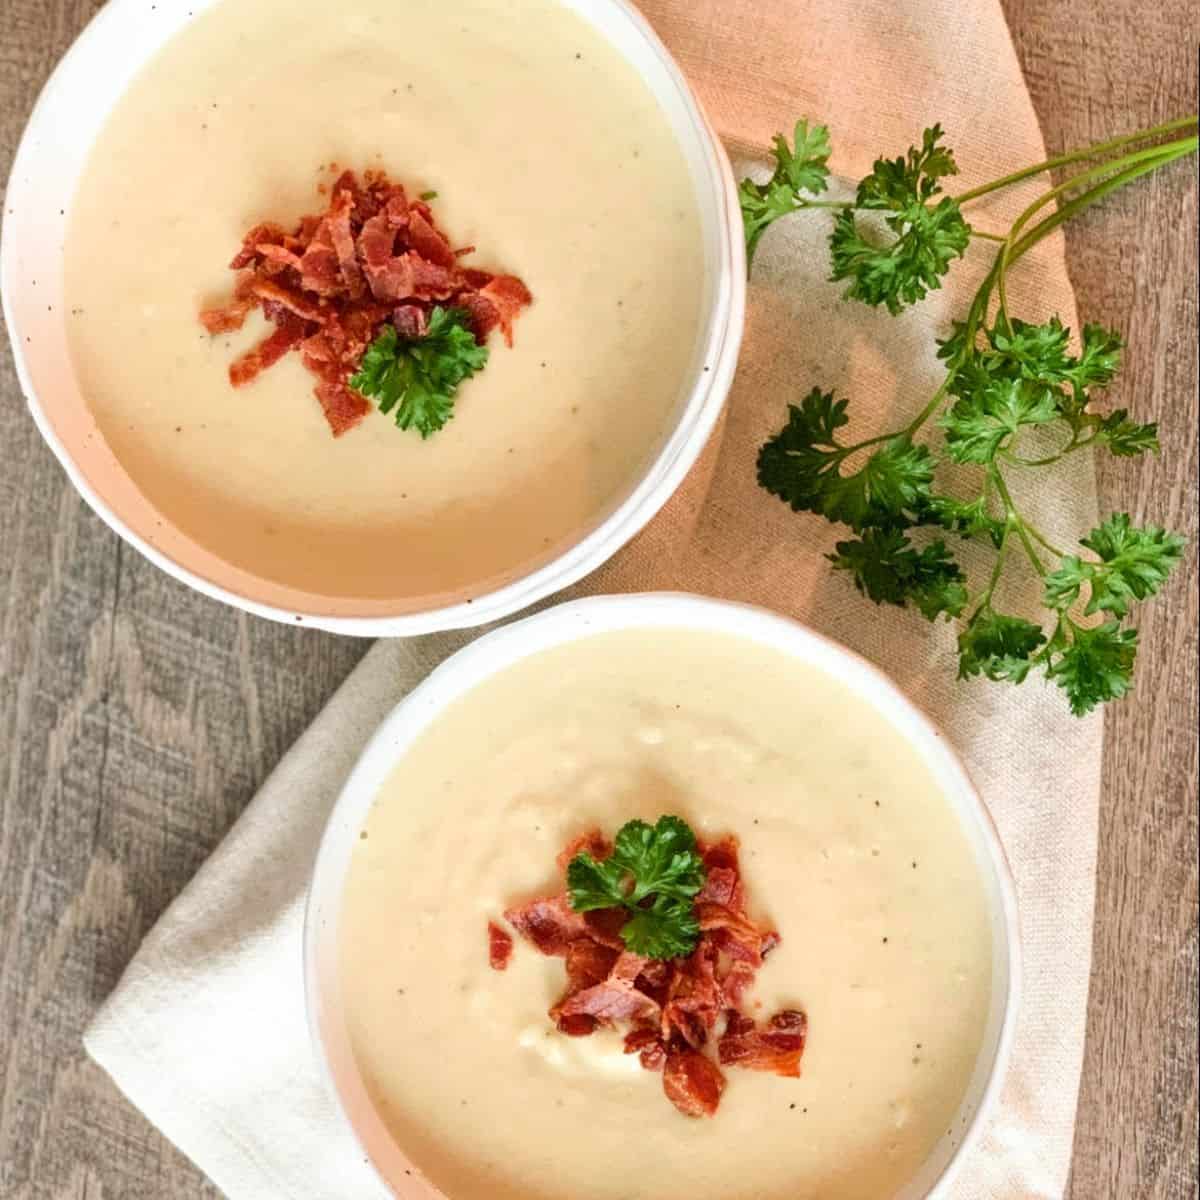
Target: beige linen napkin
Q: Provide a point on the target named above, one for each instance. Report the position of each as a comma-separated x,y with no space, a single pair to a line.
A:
206,1031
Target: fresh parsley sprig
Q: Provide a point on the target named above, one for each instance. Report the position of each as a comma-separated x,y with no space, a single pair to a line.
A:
416,379
800,168
927,235
655,872
1016,396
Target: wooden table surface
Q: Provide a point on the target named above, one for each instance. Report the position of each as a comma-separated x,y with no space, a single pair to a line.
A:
137,718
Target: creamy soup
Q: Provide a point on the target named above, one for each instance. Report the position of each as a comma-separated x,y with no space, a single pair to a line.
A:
548,153
848,849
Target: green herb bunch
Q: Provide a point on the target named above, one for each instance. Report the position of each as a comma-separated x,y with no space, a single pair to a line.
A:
416,379
654,873
1016,396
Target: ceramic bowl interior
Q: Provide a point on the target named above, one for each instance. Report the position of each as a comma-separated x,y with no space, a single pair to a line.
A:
89,81
581,619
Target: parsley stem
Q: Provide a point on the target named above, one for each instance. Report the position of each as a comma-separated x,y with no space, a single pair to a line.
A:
803,202
1155,155
928,410
1071,209
1015,518
976,314
985,601
1030,550
907,431
1062,160
1040,537
1076,443
1049,460
988,488
1091,196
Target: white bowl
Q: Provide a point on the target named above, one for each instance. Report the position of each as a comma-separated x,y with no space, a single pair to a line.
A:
53,152
580,619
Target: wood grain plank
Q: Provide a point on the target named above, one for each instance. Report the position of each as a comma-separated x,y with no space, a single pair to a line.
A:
136,718
1095,70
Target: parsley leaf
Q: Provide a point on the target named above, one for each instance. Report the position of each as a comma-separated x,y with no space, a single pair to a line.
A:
998,646
1096,665
1026,375
800,465
805,166
887,568
667,929
973,519
1095,366
417,379
955,347
799,168
661,858
1134,563
593,884
655,872
927,237
897,181
1098,360
990,410
1033,351
794,464
1125,438
762,205
892,481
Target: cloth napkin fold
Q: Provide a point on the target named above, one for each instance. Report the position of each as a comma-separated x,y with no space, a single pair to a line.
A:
206,1031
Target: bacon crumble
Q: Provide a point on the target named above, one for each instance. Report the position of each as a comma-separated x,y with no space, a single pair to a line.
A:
777,1046
675,1008
692,1082
500,946
331,284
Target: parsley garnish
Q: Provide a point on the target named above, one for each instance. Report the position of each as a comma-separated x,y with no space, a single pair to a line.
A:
1132,564
798,170
887,567
802,465
1016,396
927,237
417,379
655,872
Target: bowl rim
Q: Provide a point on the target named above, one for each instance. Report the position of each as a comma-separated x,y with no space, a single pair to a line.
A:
715,359
573,620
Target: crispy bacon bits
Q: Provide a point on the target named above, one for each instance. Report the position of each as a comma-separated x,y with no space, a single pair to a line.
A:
673,1010
776,1047
693,1082
333,281
500,946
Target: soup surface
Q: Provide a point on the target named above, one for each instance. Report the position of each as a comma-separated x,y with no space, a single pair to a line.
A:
548,153
848,849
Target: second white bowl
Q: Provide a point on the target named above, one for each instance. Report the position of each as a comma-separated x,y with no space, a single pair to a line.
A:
582,619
